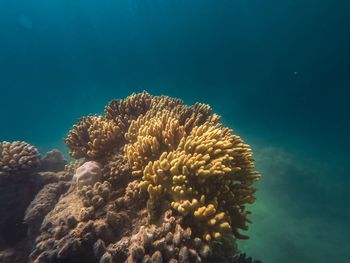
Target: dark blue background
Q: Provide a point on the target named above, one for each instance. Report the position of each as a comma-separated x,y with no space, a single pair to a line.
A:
277,71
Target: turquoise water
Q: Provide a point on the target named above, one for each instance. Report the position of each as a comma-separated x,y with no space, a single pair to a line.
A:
277,72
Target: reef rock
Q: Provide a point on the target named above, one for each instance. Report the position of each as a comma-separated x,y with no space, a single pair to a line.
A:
242,258
16,193
43,203
53,161
87,174
22,175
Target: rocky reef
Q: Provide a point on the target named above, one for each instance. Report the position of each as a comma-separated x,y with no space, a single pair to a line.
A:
25,177
154,180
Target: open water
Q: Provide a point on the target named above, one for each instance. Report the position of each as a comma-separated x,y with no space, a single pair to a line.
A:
277,71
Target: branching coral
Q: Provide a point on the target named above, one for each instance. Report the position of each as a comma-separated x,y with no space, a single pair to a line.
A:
187,116
128,109
93,137
169,242
160,157
161,131
152,137
123,112
17,156
116,170
207,176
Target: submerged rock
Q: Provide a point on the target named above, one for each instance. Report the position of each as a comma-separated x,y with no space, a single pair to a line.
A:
53,161
25,197
43,203
16,193
87,174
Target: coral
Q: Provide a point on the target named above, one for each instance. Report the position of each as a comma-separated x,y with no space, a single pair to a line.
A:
123,112
93,137
158,181
168,242
154,136
27,193
87,174
97,195
71,167
116,170
160,131
43,203
187,116
206,174
17,157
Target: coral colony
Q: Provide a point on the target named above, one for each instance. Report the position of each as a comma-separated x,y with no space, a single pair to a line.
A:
154,181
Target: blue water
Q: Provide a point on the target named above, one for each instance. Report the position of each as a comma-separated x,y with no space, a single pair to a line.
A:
277,71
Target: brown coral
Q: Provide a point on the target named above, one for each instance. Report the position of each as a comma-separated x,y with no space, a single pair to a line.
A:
116,170
93,137
123,112
169,242
17,157
130,108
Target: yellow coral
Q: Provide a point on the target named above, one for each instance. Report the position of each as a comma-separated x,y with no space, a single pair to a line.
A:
156,135
179,154
159,131
207,175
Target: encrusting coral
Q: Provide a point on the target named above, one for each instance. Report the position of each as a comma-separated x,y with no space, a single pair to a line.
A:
17,157
173,186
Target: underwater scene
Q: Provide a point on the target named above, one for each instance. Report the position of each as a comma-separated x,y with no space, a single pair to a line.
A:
174,131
